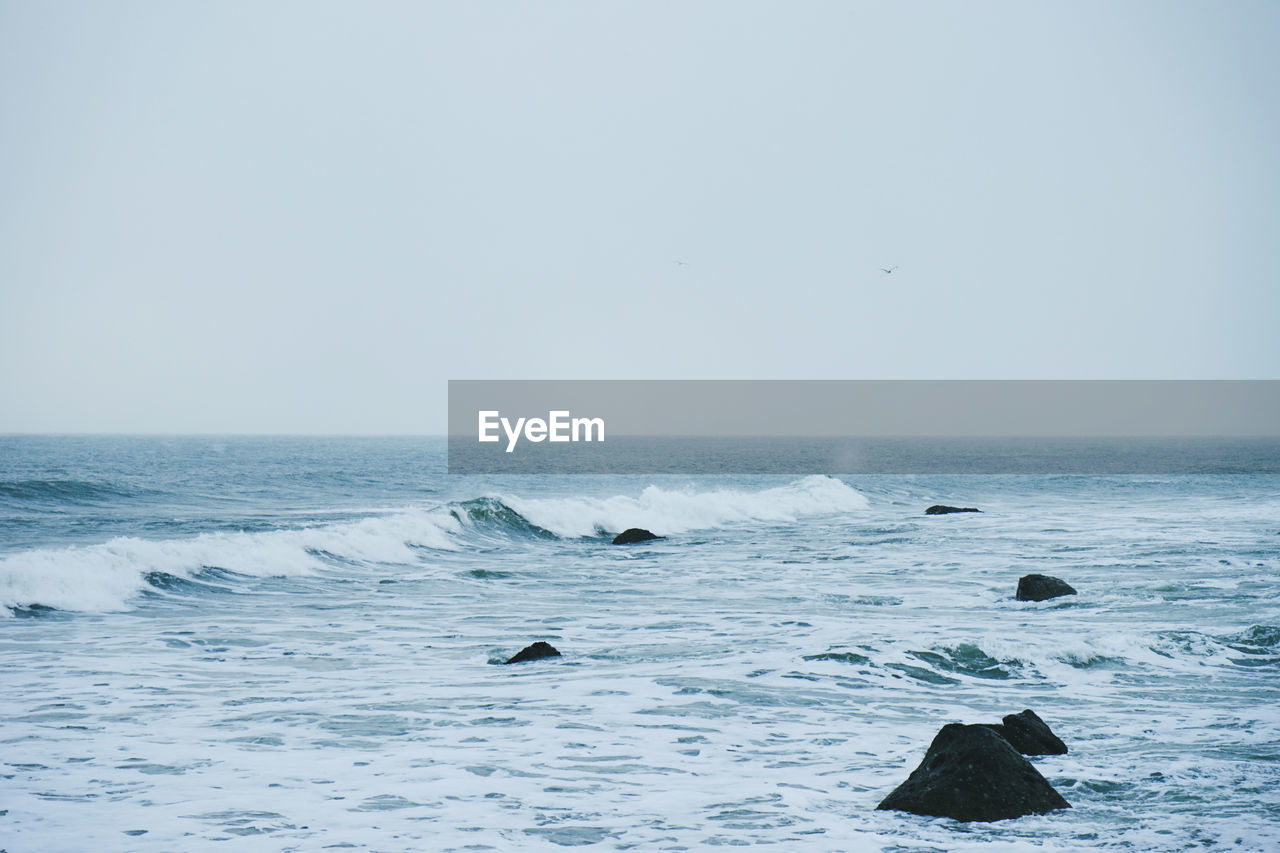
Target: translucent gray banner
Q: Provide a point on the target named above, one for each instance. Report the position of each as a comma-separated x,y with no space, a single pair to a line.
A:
863,426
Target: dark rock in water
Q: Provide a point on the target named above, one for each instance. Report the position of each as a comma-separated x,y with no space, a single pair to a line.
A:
939,509
634,534
1041,587
971,773
535,652
1030,735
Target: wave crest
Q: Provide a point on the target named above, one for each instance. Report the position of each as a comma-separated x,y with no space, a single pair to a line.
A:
668,512
42,492
106,577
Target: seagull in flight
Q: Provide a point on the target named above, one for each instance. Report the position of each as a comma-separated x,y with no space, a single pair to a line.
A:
680,263
891,269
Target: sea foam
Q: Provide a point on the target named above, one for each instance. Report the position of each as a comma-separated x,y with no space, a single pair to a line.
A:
668,512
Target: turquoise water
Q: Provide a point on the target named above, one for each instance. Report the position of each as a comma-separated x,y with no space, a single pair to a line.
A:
285,644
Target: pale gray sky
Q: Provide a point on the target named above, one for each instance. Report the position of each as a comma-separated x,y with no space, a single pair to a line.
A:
307,216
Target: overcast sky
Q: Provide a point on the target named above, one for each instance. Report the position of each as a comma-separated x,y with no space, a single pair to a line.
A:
307,216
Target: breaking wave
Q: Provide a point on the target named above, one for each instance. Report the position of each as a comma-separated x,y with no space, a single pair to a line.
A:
669,512
108,576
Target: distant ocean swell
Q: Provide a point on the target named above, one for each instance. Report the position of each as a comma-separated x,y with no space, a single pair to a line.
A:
110,576
56,492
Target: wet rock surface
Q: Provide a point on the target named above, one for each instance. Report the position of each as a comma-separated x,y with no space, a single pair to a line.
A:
971,773
941,509
536,651
1029,734
634,534
1042,588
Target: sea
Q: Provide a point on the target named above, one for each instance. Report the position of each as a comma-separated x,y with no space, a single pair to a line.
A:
279,644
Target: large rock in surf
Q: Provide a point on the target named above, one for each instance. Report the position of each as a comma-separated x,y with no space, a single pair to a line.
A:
970,773
537,651
1029,734
940,509
634,534
1041,587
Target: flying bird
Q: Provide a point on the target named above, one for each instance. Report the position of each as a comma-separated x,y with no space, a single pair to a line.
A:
891,269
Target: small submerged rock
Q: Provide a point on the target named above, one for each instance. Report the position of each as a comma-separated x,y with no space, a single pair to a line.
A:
1042,587
971,773
1029,734
537,651
940,509
635,534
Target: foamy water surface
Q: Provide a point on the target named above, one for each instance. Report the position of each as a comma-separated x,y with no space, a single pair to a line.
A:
316,665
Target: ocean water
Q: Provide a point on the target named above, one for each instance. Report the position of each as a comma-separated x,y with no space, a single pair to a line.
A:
293,644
